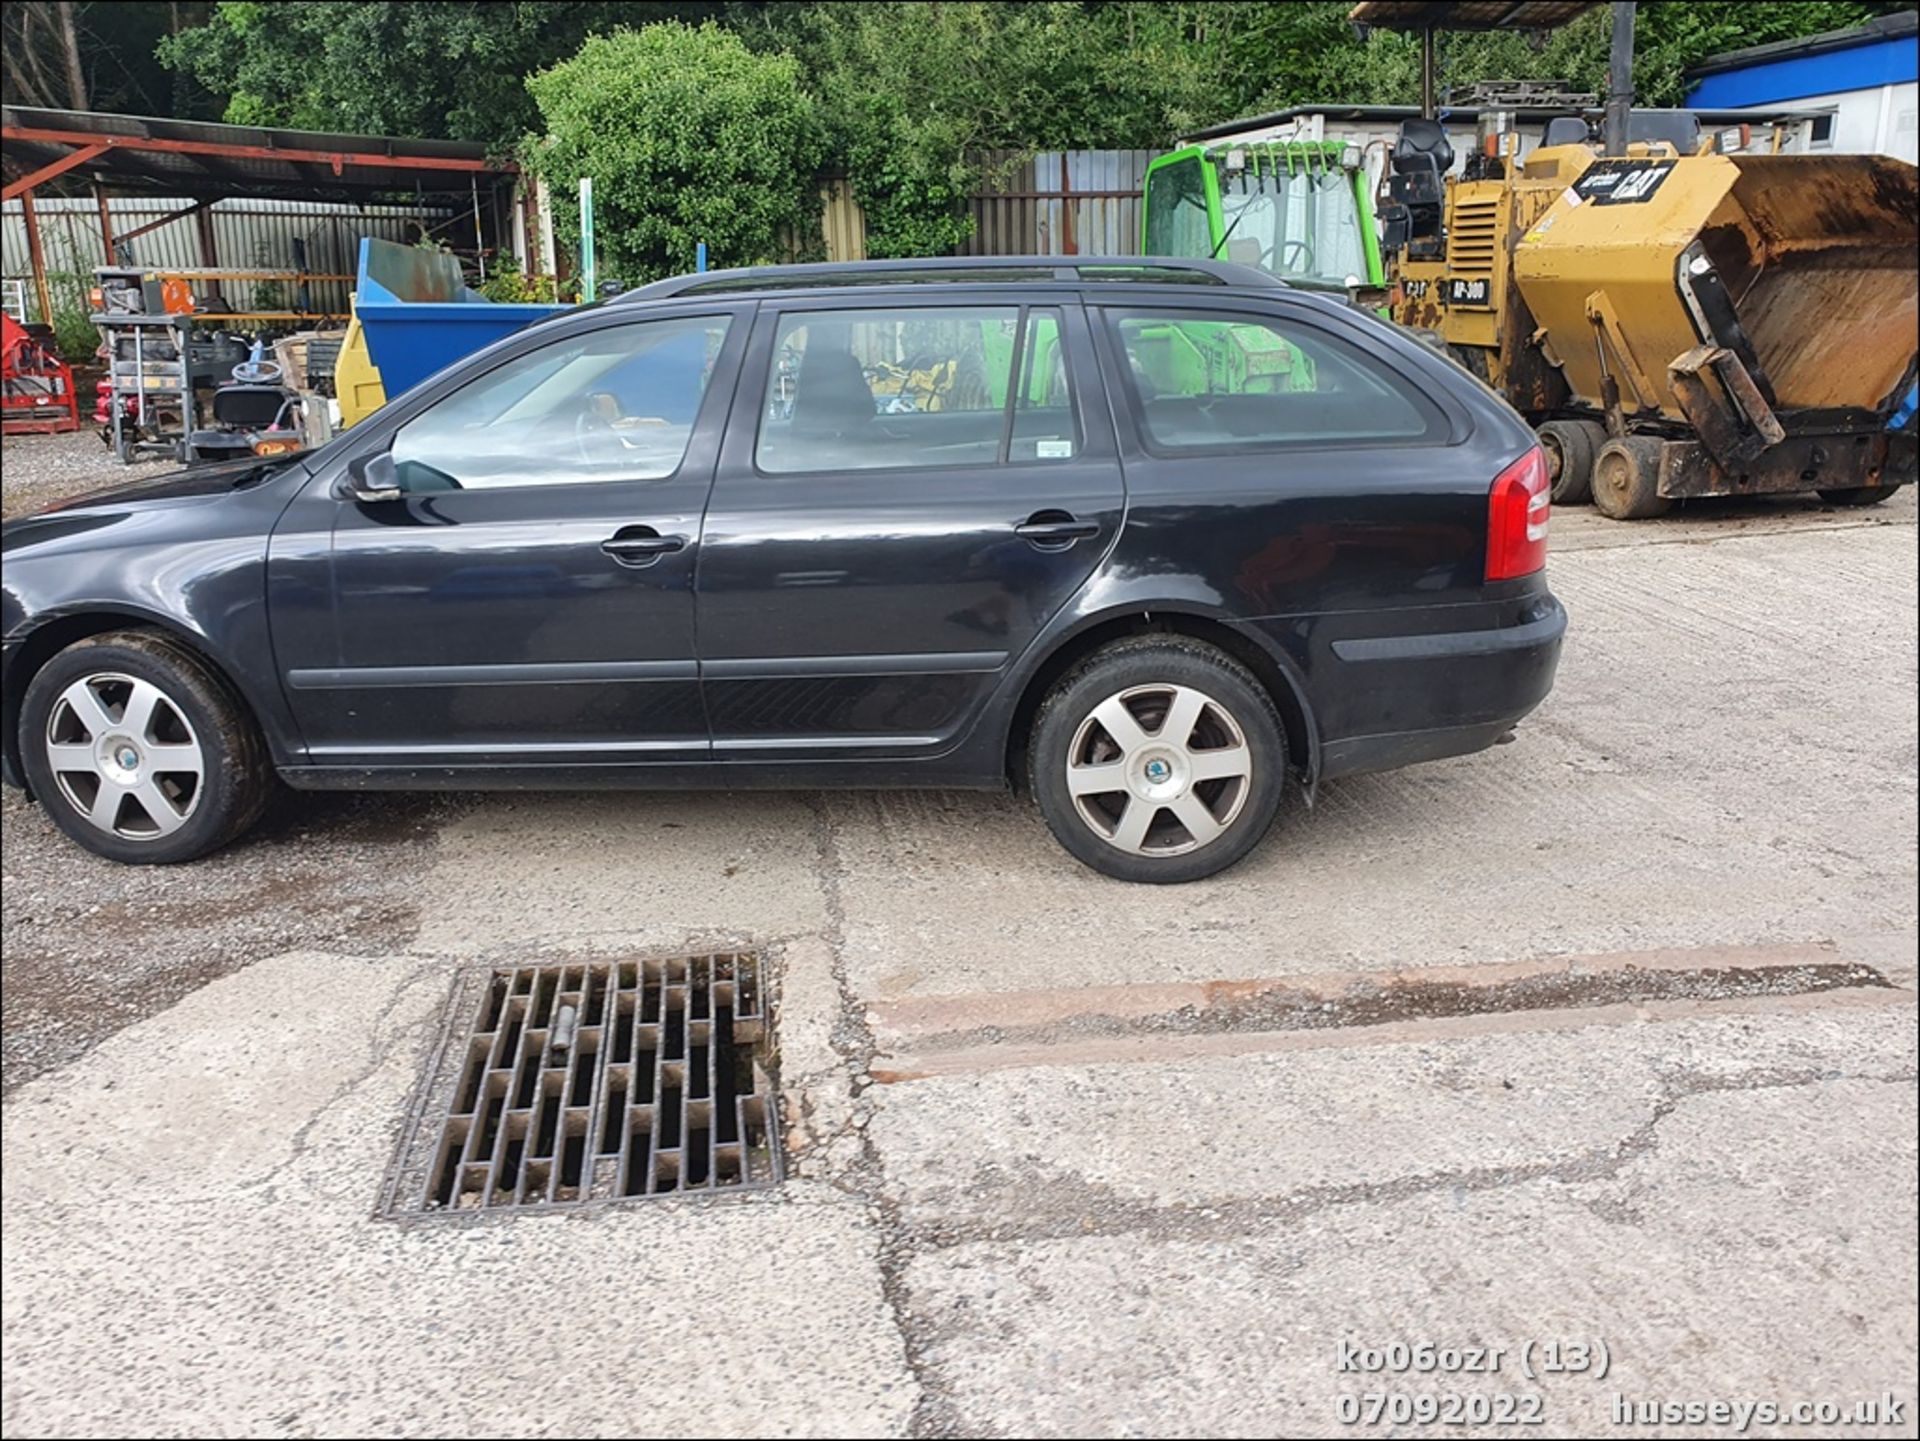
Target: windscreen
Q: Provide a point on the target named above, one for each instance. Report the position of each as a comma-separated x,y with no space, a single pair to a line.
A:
1303,226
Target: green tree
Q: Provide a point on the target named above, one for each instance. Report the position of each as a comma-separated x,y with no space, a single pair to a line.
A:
453,71
689,136
911,93
96,55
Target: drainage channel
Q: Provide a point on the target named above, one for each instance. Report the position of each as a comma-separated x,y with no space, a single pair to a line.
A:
560,1085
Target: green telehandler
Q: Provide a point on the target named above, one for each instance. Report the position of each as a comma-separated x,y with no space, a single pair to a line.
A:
1302,209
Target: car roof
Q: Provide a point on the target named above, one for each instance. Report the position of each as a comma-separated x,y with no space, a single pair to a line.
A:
990,272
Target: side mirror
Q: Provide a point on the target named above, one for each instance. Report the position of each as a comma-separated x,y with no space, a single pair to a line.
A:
372,480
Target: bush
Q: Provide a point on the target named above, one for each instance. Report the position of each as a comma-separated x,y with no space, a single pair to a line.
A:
75,336
914,202
689,136
506,284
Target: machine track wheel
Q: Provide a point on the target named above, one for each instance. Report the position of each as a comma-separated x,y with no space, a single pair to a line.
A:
1570,446
1626,476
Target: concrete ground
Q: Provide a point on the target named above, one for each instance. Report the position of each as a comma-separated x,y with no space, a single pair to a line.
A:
1596,1048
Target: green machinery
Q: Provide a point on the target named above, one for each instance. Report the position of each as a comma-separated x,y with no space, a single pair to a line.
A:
1302,209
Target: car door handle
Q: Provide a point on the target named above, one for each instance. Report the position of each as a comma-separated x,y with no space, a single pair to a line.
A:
638,545
1055,529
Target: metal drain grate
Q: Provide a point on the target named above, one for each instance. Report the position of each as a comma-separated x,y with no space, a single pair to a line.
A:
593,1081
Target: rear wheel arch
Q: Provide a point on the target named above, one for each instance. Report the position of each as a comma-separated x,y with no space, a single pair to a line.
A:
1274,672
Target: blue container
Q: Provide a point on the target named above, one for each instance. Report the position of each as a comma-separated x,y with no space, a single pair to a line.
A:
420,317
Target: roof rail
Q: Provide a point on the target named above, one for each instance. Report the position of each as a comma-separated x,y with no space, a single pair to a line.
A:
962,269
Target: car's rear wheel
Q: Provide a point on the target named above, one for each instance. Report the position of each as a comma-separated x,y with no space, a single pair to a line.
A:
1569,446
1158,759
140,751
1626,479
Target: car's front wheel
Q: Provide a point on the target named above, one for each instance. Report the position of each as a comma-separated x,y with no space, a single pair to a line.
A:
140,751
1158,759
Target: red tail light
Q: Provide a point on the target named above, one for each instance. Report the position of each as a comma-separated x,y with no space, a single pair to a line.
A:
1517,513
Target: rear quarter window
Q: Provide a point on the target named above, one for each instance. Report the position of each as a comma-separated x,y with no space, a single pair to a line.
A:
1219,380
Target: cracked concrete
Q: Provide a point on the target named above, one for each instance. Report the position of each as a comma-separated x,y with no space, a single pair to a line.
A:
191,1251
1512,1139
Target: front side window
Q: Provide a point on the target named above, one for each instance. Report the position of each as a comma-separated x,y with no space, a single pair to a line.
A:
616,404
915,388
1210,379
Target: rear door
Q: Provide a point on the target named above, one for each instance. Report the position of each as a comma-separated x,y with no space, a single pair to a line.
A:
908,490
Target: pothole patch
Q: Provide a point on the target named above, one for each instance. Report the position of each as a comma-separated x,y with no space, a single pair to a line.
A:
574,1083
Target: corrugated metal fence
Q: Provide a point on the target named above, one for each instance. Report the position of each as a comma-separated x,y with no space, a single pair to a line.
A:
1059,202
247,235
1073,202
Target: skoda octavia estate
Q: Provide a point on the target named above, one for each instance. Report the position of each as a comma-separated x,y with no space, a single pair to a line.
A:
1150,541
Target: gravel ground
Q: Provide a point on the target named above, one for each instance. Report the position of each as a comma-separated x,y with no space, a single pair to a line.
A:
41,469
91,946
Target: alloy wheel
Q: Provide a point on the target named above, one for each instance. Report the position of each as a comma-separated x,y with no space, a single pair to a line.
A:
125,756
1159,770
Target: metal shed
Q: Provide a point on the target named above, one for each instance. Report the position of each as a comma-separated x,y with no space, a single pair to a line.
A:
204,164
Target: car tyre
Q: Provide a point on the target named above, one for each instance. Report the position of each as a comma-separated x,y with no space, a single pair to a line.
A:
1158,759
1626,479
140,751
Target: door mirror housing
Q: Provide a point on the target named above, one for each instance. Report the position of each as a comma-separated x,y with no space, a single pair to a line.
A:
372,480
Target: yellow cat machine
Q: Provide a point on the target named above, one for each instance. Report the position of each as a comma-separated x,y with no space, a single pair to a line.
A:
1675,321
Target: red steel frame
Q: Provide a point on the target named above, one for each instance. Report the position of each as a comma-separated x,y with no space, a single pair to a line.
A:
89,147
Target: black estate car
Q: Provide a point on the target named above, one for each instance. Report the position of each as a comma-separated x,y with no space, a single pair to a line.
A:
1145,538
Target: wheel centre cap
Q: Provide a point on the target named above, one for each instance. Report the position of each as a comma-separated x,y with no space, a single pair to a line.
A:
1158,776
120,759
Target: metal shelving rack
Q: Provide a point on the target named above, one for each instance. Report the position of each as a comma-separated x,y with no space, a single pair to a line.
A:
155,386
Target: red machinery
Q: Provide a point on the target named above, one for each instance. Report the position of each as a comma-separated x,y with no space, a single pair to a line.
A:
36,387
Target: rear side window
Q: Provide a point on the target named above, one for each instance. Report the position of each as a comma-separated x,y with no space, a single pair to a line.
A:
915,388
1207,380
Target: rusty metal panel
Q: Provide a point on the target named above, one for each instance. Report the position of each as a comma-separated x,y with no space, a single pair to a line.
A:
1469,14
1798,464
1082,202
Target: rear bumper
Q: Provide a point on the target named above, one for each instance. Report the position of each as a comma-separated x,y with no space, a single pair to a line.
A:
1455,692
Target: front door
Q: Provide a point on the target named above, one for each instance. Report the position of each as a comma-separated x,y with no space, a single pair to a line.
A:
527,599
922,487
